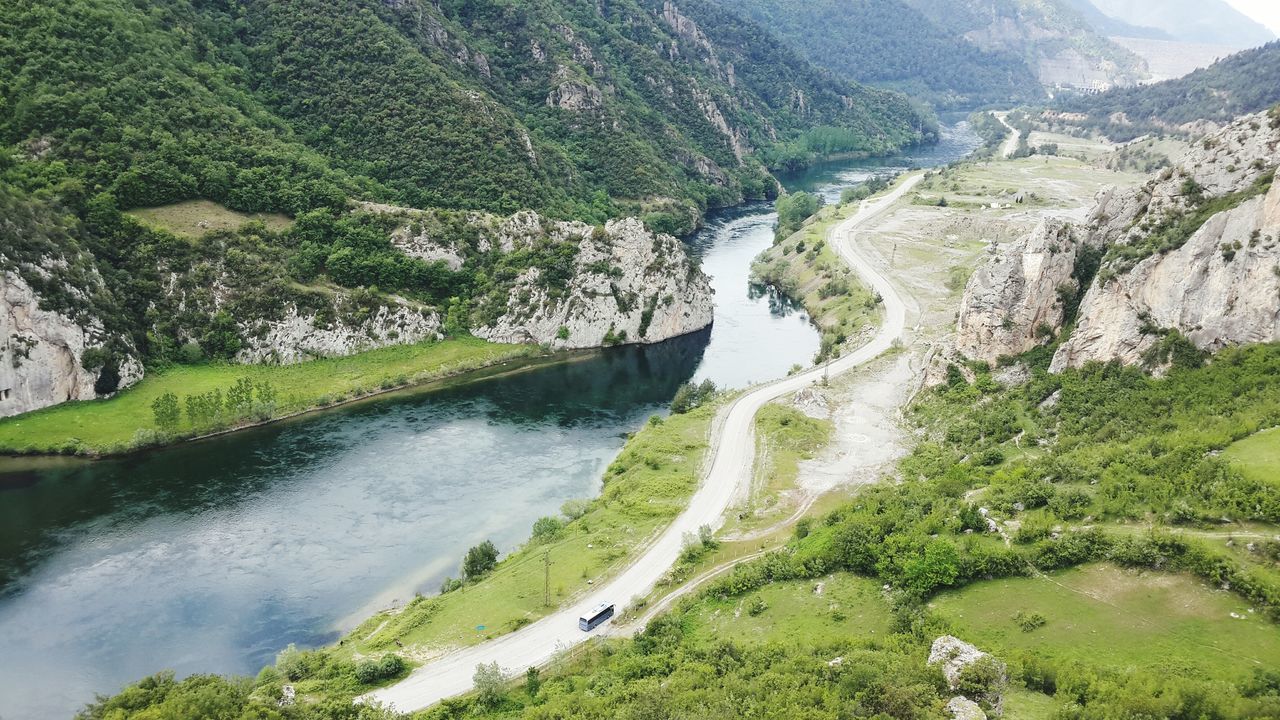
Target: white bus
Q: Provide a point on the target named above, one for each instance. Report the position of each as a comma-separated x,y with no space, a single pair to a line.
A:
595,616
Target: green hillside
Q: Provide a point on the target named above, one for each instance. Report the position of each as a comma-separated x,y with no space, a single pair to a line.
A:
1244,83
499,105
889,43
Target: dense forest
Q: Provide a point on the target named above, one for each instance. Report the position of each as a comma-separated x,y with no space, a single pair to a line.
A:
289,106
1244,83
889,43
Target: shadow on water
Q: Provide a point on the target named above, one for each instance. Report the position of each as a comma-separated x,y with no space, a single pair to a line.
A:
214,555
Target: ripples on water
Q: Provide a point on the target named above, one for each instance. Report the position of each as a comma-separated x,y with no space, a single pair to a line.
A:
212,556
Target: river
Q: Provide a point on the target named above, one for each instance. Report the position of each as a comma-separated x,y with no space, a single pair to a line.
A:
212,556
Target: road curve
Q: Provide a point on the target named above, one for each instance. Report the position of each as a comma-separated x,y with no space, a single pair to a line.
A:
1011,143
538,643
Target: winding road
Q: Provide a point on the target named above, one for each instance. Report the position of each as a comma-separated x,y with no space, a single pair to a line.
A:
1011,143
731,466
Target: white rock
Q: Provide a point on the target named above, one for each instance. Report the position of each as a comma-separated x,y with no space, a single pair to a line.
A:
41,350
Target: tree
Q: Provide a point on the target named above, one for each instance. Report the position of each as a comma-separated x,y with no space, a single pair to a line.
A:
489,680
532,682
240,397
480,560
546,529
940,566
166,412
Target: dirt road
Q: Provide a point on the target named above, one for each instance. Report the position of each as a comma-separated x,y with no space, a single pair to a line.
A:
733,448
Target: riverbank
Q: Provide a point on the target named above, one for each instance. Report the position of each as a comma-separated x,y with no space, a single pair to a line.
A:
127,421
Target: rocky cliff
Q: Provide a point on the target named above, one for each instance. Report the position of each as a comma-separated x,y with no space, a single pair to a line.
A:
1222,287
1016,301
629,285
42,353
1195,250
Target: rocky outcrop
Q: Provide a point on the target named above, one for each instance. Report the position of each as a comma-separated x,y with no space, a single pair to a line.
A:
626,284
1015,301
343,330
954,655
1220,288
962,708
42,352
629,286
988,679
1217,284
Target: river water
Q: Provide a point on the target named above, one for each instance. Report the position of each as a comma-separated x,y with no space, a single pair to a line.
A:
212,556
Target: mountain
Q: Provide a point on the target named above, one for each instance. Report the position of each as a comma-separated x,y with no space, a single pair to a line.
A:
889,43
1115,27
498,105
1051,37
510,135
1212,22
1246,82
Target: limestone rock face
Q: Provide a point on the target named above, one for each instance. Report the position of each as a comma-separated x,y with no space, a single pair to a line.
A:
1009,301
41,352
629,285
308,335
1210,291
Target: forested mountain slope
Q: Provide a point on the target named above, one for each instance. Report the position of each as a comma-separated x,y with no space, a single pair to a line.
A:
1246,82
1055,41
487,105
887,42
469,111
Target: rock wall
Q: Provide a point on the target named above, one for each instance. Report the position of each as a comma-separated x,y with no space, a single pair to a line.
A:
300,336
1010,301
1219,288
630,285
41,352
1210,290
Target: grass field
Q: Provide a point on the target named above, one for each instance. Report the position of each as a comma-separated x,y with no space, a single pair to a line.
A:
785,436
848,606
193,218
111,425
1106,616
644,489
1258,456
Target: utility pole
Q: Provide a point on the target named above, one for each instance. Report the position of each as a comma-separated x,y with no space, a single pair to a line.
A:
894,256
546,578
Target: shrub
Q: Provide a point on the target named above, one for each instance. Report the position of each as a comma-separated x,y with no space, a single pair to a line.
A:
479,560
546,529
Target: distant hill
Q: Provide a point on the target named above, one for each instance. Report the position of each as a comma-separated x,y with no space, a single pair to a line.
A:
1051,37
1246,82
1213,22
1115,27
889,43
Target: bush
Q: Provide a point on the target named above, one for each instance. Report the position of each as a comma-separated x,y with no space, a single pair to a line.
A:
479,560
546,529
371,671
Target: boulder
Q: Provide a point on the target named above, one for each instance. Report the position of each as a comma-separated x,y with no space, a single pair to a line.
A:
962,708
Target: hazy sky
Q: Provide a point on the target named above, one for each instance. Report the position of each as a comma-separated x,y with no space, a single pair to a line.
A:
1266,12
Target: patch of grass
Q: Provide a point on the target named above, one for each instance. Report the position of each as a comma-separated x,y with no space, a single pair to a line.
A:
848,607
1257,456
1104,616
111,425
1025,704
193,218
785,437
644,489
